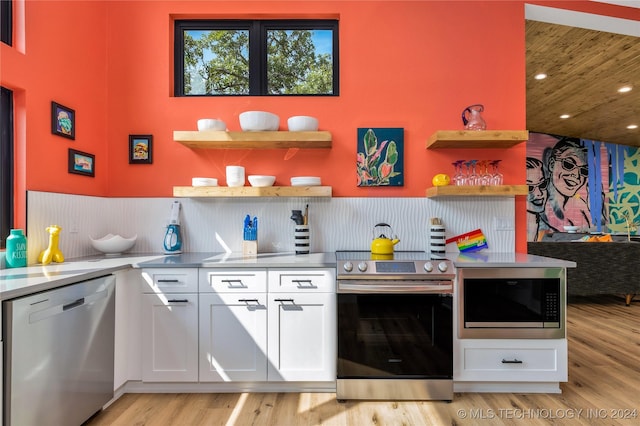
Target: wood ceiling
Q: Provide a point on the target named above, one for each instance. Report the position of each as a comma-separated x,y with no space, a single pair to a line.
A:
585,68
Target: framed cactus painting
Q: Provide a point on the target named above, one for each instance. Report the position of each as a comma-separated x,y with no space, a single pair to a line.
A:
380,160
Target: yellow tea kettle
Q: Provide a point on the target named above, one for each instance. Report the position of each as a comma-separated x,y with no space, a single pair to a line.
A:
381,244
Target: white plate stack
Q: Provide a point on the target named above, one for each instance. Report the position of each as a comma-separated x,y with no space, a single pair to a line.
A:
203,181
305,181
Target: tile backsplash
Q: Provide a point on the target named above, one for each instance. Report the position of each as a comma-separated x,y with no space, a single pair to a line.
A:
216,224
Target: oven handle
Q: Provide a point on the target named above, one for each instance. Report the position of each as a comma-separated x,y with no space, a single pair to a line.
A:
439,287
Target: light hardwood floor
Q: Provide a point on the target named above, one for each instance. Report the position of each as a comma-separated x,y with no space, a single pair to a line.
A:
603,389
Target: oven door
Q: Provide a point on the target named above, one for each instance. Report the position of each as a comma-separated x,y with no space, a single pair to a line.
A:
395,336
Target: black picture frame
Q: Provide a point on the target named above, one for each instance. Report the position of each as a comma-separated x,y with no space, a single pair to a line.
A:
140,149
82,163
63,121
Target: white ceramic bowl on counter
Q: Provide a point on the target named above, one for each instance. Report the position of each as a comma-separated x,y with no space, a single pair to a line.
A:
256,121
261,180
571,229
211,124
302,123
113,244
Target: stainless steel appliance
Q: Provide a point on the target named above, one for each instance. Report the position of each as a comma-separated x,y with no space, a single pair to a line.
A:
59,354
508,303
395,327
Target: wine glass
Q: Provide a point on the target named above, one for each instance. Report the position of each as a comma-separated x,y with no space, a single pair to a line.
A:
497,178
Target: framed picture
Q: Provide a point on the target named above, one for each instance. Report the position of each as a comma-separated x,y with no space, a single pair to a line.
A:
380,159
82,163
63,121
140,149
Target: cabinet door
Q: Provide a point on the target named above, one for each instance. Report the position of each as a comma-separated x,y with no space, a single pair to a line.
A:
170,337
233,337
302,337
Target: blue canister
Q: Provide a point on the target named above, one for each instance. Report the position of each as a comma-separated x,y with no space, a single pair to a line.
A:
16,255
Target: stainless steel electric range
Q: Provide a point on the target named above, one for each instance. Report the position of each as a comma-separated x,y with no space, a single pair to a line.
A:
395,326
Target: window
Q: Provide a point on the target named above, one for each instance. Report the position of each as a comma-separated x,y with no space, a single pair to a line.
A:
6,22
6,164
233,57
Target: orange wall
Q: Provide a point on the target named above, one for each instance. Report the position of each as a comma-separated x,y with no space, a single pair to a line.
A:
409,64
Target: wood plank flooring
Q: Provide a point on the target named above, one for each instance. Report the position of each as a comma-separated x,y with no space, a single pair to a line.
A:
603,389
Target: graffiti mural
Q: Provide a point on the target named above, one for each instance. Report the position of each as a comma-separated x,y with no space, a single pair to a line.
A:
558,170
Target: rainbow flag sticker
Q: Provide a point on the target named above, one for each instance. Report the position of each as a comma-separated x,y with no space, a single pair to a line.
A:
469,242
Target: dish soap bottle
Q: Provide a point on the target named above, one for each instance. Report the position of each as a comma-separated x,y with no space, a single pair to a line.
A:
16,249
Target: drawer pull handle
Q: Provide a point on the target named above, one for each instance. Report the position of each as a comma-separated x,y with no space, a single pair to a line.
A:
248,300
178,301
284,300
168,281
307,284
511,361
230,284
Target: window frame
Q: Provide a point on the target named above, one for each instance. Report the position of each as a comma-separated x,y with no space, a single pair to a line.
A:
6,22
7,164
258,30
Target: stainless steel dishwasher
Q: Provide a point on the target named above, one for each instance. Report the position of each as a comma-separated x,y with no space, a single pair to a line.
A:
59,354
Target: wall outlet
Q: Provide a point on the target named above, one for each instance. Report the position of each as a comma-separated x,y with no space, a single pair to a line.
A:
73,228
503,223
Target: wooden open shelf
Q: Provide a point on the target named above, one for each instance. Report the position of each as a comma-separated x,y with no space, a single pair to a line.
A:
246,140
477,138
483,190
250,191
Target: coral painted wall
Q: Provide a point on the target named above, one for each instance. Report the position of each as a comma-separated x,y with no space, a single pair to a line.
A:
413,64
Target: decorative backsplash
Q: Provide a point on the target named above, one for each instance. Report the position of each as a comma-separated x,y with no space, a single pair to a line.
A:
216,224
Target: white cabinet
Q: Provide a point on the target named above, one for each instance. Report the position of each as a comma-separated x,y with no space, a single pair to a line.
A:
128,332
233,337
302,325
233,324
170,325
511,360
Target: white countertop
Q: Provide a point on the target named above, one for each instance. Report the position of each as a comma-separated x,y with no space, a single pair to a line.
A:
32,279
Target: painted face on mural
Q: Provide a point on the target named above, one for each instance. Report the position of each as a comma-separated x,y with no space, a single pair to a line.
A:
538,193
569,171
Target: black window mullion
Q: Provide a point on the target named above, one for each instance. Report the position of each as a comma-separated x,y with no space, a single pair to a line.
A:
6,21
6,163
257,59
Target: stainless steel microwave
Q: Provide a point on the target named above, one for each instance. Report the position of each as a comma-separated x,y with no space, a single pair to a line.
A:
511,303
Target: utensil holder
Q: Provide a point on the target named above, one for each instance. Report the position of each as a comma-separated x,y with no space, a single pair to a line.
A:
301,239
437,240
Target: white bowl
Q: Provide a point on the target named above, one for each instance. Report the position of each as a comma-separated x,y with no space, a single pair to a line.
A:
202,181
113,244
261,180
302,123
305,181
211,124
255,121
571,229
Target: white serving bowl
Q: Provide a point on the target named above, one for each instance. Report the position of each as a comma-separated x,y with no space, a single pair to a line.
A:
571,229
211,124
261,180
203,181
255,121
113,244
305,181
302,123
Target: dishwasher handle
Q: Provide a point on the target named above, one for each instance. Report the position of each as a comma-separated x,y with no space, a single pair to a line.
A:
73,304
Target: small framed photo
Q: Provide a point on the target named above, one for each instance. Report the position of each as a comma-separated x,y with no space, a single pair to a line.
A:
140,149
63,121
82,163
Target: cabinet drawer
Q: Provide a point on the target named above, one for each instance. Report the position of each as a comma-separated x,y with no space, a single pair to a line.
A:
232,281
302,280
170,280
530,362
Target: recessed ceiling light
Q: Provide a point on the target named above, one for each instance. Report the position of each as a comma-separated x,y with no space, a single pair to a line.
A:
563,116
540,76
625,89
632,126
